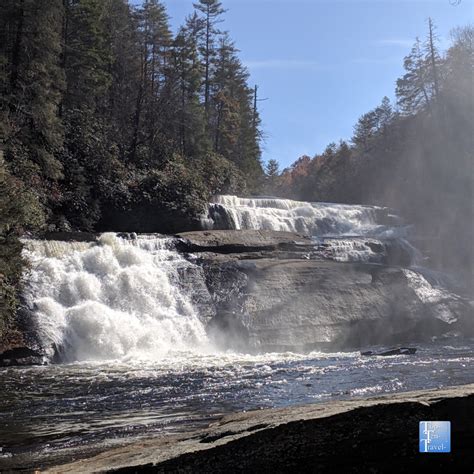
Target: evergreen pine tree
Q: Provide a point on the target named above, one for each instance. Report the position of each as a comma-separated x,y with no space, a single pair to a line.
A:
211,11
32,89
413,90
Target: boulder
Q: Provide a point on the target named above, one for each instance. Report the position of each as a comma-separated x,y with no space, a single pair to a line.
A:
241,241
21,356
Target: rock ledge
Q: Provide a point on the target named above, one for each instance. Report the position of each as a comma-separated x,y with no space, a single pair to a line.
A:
378,434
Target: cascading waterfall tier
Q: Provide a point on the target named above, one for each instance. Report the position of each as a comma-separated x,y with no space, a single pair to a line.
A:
315,219
110,299
343,232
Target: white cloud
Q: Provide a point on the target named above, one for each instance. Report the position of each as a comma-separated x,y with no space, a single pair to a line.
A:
403,43
282,64
406,43
387,60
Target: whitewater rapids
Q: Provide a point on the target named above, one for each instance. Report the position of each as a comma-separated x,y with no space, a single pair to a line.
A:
111,299
344,233
315,219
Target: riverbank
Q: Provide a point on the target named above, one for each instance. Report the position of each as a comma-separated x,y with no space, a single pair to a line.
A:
378,434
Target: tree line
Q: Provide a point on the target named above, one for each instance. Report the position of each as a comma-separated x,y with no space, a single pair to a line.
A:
106,115
103,106
415,156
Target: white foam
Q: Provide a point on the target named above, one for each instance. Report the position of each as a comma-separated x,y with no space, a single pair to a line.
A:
316,219
112,299
355,250
439,299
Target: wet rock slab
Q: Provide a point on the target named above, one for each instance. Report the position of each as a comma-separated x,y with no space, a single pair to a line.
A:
21,356
270,291
238,241
378,434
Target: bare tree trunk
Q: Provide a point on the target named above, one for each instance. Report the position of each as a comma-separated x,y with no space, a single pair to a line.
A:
206,81
434,67
141,92
183,117
218,127
64,55
255,100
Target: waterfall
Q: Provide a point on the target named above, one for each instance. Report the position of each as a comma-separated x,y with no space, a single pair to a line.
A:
122,297
343,232
110,299
315,219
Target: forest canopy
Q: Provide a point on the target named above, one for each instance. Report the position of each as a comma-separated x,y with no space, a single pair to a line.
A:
104,110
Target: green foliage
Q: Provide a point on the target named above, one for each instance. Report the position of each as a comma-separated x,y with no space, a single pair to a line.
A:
372,124
87,56
272,177
176,187
413,89
186,190
98,96
94,175
20,211
32,86
220,175
207,33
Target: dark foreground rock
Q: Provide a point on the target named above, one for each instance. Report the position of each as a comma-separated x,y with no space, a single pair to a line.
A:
379,434
20,346
21,356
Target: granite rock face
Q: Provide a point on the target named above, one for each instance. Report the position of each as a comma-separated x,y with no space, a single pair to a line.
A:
270,291
241,244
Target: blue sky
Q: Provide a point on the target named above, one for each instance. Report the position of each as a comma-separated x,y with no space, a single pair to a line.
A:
323,63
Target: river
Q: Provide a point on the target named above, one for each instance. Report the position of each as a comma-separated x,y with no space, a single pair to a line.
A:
128,354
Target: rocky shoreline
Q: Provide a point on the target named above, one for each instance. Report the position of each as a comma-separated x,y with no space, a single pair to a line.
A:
378,434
